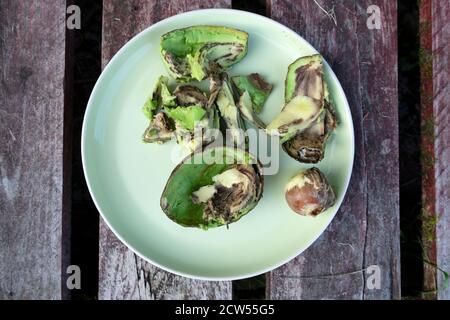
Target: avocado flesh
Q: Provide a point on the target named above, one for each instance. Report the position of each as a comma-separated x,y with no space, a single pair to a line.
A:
199,176
245,106
257,88
199,51
309,146
230,114
305,77
160,128
304,95
295,116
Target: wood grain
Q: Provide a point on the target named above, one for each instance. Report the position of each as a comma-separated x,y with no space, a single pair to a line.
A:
32,242
429,290
365,231
123,275
435,148
441,105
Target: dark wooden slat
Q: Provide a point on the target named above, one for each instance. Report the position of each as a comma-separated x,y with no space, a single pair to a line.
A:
123,275
32,241
427,150
366,229
435,75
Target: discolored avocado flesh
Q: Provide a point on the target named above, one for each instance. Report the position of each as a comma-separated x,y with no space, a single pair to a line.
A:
305,78
245,106
198,52
196,123
308,118
308,146
257,88
213,187
295,117
160,128
230,114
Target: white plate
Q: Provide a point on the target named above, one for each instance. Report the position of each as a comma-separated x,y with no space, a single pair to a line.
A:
126,177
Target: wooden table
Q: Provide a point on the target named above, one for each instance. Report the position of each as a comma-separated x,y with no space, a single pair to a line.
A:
35,136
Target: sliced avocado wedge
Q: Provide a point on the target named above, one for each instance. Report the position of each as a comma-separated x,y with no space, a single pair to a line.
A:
305,78
197,52
231,115
245,106
257,88
295,117
309,146
160,128
305,96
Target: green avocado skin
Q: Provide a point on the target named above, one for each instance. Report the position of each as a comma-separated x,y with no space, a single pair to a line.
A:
189,176
182,42
187,179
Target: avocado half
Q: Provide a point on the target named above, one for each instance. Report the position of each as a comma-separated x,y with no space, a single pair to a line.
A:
213,187
198,51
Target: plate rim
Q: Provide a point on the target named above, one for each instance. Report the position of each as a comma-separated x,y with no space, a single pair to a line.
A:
89,108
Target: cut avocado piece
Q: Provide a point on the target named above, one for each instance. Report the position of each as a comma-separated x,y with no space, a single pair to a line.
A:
213,187
295,116
197,52
305,93
245,106
160,128
196,124
257,88
230,114
309,146
187,116
305,78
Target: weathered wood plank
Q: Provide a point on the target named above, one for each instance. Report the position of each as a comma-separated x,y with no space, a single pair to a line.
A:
427,154
435,75
365,231
32,97
441,106
123,275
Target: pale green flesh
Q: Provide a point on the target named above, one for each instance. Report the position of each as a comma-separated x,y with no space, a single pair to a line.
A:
300,109
196,67
187,116
246,107
291,75
227,179
230,113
